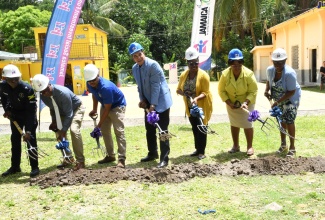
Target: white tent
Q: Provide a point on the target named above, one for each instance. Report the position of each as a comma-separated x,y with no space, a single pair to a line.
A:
9,56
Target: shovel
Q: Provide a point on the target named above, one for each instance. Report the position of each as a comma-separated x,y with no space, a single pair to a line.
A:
63,146
276,112
153,118
197,112
255,116
31,152
96,133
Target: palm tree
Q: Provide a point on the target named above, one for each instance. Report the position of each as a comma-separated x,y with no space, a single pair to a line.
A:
238,16
98,15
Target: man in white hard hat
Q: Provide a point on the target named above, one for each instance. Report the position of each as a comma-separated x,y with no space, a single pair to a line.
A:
283,88
112,112
71,115
154,95
19,103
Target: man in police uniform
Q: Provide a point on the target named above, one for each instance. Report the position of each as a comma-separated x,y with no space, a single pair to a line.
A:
19,104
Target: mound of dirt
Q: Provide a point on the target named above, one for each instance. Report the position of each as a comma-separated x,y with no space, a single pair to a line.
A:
270,165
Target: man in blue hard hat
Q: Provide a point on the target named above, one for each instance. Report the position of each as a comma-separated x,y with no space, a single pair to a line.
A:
154,95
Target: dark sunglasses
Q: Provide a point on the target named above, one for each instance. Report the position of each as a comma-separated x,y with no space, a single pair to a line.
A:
232,62
12,79
193,63
279,62
44,91
91,81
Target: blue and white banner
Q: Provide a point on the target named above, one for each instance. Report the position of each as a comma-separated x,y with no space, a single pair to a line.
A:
202,31
59,37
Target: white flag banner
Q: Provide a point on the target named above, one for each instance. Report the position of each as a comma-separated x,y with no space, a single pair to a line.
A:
202,31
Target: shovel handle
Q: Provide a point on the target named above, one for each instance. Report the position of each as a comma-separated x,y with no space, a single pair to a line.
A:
245,110
94,116
18,128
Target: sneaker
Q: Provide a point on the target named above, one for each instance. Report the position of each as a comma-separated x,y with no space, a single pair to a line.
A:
107,159
282,149
11,170
291,153
121,164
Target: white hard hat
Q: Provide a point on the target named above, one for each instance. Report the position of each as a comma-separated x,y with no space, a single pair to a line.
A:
191,53
40,82
90,72
11,71
279,54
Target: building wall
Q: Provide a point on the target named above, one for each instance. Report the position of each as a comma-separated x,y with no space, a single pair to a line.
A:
86,36
305,32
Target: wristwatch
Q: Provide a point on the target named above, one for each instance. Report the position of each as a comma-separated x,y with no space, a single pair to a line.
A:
28,132
152,106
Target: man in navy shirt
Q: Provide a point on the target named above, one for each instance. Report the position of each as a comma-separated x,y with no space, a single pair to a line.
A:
19,103
112,112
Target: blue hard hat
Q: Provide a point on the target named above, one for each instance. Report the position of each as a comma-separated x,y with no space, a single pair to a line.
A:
235,54
135,47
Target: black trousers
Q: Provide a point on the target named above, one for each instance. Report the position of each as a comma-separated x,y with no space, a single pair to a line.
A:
200,139
152,137
16,140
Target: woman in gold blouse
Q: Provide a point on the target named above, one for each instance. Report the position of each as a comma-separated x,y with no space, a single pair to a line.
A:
238,89
194,86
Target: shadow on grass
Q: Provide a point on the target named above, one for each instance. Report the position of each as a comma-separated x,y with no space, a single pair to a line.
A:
23,177
225,156
47,139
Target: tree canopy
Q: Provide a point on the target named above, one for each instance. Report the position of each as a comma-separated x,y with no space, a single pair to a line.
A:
17,27
164,26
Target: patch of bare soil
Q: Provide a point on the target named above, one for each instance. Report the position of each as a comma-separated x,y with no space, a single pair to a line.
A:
270,165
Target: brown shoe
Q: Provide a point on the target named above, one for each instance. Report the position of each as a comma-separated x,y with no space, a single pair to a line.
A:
107,159
121,164
79,165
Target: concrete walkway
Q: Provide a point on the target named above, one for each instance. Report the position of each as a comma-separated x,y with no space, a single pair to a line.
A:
311,103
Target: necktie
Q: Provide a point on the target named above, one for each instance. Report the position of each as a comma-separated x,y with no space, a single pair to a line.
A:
57,114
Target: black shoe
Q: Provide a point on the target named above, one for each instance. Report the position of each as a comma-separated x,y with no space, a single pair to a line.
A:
34,172
162,164
149,158
11,170
194,154
107,159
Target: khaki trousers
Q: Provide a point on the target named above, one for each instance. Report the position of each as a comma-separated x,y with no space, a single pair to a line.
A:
76,138
115,118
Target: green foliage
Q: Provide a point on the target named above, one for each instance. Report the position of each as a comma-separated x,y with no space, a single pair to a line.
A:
17,27
98,15
233,41
114,71
123,57
45,5
167,23
13,5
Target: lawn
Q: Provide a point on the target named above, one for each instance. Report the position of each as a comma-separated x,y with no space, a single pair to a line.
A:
241,197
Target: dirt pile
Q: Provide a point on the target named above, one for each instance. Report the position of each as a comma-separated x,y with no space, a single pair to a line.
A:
270,165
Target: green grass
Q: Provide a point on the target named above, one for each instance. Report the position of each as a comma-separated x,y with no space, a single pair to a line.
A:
313,89
301,196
